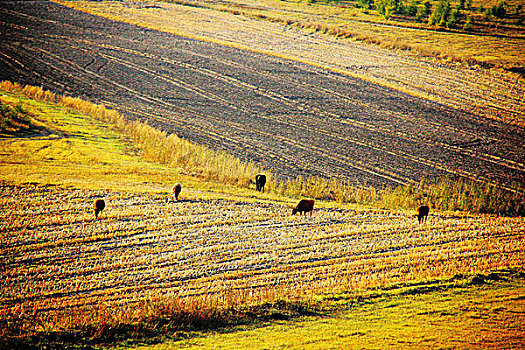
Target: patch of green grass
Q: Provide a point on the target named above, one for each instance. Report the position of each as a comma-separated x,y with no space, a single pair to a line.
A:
14,120
76,143
460,314
71,148
81,144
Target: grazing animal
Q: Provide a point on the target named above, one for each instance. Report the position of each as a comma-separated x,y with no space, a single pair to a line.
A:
304,206
260,181
98,206
176,191
422,213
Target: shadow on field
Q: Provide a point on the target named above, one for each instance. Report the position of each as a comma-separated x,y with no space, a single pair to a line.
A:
183,201
175,325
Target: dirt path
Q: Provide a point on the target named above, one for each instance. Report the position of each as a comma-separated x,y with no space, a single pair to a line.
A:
290,117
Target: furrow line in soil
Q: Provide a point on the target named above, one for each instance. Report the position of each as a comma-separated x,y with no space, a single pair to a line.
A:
280,98
289,276
233,100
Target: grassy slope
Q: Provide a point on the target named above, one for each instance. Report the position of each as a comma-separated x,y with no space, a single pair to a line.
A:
73,149
70,148
459,315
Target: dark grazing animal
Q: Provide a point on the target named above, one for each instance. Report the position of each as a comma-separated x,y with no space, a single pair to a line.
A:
422,213
176,191
260,181
98,206
304,206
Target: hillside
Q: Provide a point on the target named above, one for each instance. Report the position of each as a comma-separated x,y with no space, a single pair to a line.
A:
274,110
456,314
447,66
178,267
371,116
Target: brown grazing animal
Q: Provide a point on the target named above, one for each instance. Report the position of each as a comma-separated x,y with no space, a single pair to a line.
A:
304,206
422,213
98,206
176,191
260,181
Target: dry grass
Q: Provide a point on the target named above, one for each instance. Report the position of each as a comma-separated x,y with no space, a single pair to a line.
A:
444,194
154,145
458,194
146,258
198,161
455,313
491,45
344,20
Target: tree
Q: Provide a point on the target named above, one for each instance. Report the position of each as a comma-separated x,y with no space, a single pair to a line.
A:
366,4
453,19
468,24
499,10
388,7
427,5
412,8
420,13
440,14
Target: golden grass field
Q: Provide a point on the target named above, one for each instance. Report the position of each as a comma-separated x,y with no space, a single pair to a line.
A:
65,272
453,314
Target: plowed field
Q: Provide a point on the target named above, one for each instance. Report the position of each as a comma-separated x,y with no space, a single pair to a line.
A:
290,117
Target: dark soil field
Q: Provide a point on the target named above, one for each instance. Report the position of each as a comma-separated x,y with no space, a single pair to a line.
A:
289,117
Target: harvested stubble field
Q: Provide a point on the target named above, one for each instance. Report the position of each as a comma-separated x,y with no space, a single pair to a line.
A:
59,263
286,116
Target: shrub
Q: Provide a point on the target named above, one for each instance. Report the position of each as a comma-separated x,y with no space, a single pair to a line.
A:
468,24
498,10
458,194
423,10
427,6
365,4
326,189
413,8
387,8
13,119
453,18
443,15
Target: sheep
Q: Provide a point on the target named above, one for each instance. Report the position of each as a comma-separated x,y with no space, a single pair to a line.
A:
422,213
260,181
98,206
304,206
176,191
